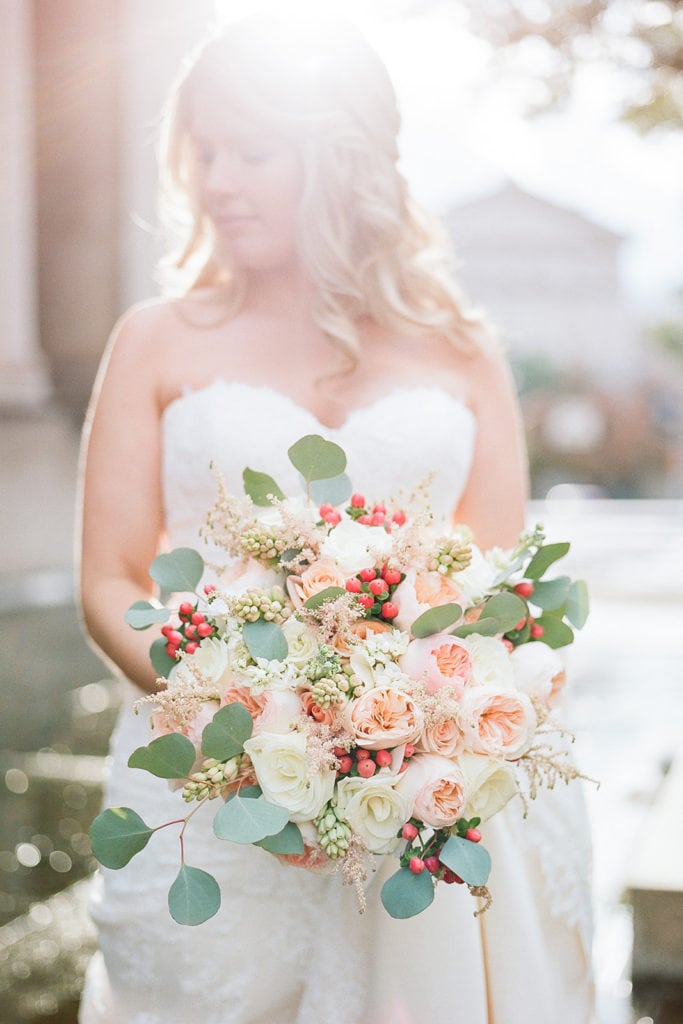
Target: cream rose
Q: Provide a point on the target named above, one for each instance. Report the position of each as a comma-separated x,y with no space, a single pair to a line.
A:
211,659
500,723
535,667
489,785
281,712
301,640
318,576
352,546
439,660
282,771
383,718
478,580
490,662
435,789
375,810
421,591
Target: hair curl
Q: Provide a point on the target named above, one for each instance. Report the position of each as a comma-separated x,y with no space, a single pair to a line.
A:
368,248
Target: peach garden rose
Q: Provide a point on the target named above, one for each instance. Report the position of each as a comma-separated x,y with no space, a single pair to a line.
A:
439,660
435,789
383,718
499,723
319,576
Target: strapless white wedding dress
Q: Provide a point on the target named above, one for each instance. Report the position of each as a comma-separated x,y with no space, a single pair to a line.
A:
288,946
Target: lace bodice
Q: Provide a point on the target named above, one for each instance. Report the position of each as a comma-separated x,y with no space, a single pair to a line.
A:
393,443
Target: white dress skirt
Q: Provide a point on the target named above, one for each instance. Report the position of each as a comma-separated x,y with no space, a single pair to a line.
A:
288,946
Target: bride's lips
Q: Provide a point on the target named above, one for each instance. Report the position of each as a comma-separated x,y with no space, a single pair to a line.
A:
233,221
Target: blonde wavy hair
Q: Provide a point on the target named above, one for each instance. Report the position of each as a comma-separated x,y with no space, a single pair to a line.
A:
368,248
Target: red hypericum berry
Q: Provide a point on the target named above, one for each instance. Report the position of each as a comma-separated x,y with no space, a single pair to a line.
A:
204,629
509,644
524,589
185,610
353,585
197,618
383,758
417,865
165,630
537,631
366,520
366,769
339,751
404,765
367,575
409,750
325,509
399,518
191,647
332,518
377,519
409,831
366,600
345,764
379,507
174,637
210,588
377,587
362,754
171,650
432,864
392,576
521,624
450,876
191,633
358,501
473,834
389,610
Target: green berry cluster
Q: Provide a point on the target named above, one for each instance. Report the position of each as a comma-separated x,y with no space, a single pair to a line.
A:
334,833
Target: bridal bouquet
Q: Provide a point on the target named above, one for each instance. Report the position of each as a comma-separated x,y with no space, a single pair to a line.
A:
366,683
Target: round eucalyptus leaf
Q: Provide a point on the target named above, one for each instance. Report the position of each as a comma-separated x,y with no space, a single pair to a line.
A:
288,841
484,626
435,620
142,615
249,821
544,558
259,485
178,570
162,662
227,732
506,608
469,860
265,640
578,605
168,757
316,458
405,894
334,490
556,633
117,834
323,596
551,594
194,897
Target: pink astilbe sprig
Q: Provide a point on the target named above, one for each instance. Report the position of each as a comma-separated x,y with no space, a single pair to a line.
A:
354,868
227,519
333,619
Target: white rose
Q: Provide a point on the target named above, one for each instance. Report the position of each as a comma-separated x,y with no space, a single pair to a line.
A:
374,809
478,579
301,641
354,547
489,785
281,767
534,667
490,661
281,712
211,659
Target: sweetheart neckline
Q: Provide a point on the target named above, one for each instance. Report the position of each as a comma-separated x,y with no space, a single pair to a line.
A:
353,413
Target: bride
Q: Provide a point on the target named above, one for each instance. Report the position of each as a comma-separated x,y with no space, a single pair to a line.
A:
310,296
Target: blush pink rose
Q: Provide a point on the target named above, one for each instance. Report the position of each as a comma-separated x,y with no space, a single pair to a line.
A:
253,702
446,739
383,718
437,661
322,574
435,787
421,591
499,723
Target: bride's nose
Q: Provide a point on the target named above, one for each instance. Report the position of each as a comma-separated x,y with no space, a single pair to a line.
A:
222,175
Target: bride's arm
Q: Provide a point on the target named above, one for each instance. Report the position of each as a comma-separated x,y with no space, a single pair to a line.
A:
121,496
494,500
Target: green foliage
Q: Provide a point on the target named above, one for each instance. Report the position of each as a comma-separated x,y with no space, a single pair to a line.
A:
507,609
227,732
117,834
317,459
556,633
194,896
179,570
405,894
544,558
288,841
469,860
249,820
485,627
259,485
577,605
551,594
328,594
435,620
142,615
265,640
162,663
335,490
168,757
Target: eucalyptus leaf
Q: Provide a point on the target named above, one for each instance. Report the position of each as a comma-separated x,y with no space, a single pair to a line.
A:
162,663
317,459
469,860
178,570
551,594
328,594
288,841
435,620
227,732
249,821
506,608
194,896
117,834
259,485
578,605
142,615
168,757
556,633
405,894
544,558
334,490
265,640
483,626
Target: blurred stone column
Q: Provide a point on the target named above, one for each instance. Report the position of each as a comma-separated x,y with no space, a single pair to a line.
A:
24,380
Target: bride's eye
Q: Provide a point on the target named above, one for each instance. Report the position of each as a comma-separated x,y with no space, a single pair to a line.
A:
257,154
